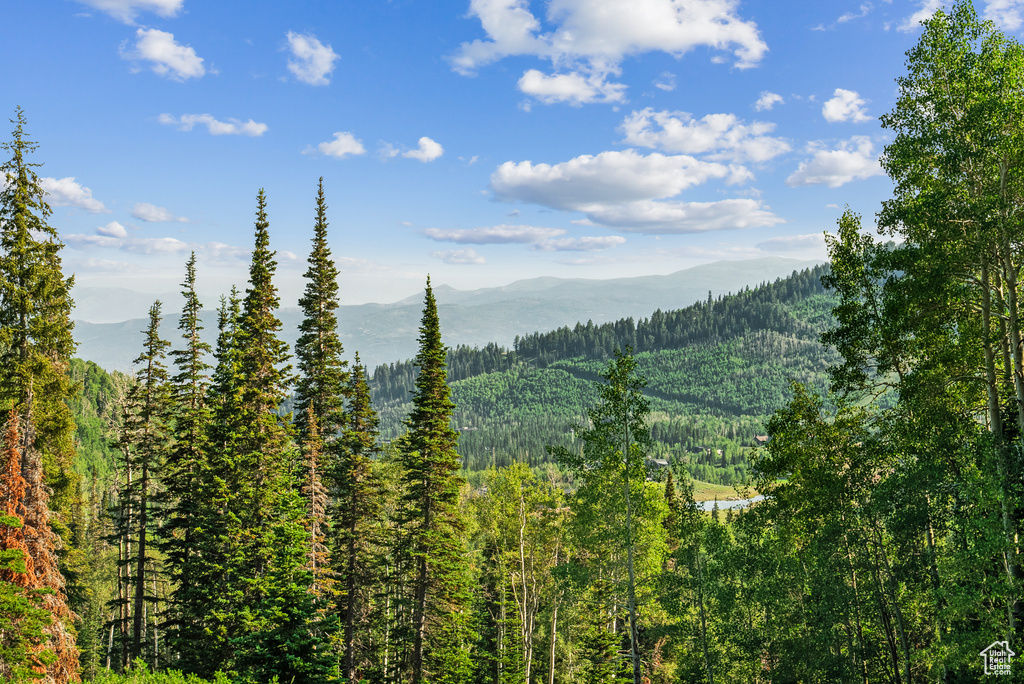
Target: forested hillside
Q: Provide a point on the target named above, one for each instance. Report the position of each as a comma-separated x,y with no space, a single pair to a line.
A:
715,371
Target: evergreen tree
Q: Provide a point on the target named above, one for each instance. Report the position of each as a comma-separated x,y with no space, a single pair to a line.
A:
147,423
356,517
433,523
189,517
23,619
267,606
35,348
322,372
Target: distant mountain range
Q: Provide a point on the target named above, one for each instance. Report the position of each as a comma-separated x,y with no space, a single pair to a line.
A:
383,333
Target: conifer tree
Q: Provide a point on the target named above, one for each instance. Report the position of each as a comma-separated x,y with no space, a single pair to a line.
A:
188,513
433,523
147,418
23,620
356,515
322,371
267,606
35,348
203,608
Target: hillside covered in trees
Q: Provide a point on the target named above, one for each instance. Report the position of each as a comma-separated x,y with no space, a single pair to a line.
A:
715,371
256,520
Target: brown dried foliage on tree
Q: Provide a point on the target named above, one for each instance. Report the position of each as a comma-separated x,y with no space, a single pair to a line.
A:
25,496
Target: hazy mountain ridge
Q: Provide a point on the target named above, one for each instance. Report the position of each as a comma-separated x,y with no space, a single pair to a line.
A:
383,333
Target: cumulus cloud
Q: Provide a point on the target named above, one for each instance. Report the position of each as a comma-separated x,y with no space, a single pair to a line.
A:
493,235
845,105
67,192
580,244
719,136
767,101
113,229
606,31
428,150
186,122
609,177
168,58
1007,14
459,256
127,10
312,62
853,159
590,39
664,218
151,213
343,145
924,13
573,88
627,190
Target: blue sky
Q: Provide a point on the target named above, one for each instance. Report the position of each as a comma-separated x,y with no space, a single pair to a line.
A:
480,141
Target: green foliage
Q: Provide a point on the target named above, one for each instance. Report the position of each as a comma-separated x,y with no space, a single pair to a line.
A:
715,371
431,521
140,674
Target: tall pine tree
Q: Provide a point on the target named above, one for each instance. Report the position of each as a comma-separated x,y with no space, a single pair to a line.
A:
35,348
322,372
356,515
433,524
268,609
188,513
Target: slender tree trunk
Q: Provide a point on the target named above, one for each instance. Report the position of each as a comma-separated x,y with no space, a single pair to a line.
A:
551,648
140,568
419,616
631,589
703,617
880,550
350,599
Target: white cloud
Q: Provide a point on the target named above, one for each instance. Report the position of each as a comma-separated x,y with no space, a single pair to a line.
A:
127,10
592,37
850,16
110,237
313,61
925,12
573,88
580,244
767,101
609,177
113,229
154,214
626,190
845,105
1007,14
169,58
663,218
428,150
666,82
720,136
459,256
606,31
492,235
186,122
853,159
66,192
344,144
